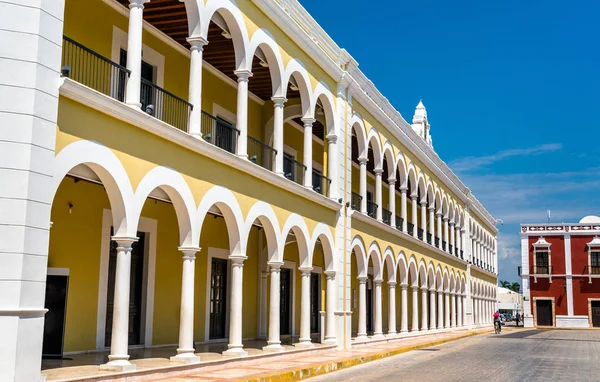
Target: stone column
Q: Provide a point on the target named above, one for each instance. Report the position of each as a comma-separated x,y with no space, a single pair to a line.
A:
235,348
438,216
278,103
305,340
195,87
242,112
378,193
424,220
414,218
186,351
440,307
452,238
432,224
392,200
378,325
263,305
447,249
404,308
391,309
332,168
446,310
330,337
118,360
403,208
274,342
459,304
423,308
432,325
363,184
362,309
414,327
308,152
453,312
464,310
134,53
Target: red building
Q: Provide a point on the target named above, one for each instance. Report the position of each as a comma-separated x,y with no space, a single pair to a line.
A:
560,272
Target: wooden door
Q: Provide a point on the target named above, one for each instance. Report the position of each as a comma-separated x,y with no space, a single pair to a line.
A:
543,312
218,299
315,316
596,314
285,303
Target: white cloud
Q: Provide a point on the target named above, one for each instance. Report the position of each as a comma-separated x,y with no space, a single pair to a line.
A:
474,163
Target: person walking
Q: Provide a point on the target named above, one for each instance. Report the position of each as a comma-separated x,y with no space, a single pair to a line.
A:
517,318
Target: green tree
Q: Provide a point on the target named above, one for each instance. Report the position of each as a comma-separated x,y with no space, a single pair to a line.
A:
515,287
505,284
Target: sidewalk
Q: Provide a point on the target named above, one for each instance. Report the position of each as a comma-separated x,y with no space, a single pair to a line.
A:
310,365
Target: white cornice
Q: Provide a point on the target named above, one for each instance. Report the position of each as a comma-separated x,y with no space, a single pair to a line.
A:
137,118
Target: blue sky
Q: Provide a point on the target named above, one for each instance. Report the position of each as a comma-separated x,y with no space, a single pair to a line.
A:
512,90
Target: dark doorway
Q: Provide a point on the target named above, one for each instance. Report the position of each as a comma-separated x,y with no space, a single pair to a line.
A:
596,314
218,298
314,303
136,288
370,304
285,303
543,312
147,96
54,320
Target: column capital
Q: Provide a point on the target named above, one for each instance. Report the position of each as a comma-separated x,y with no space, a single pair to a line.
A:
438,214
423,203
451,223
378,282
243,75
332,138
391,283
196,42
414,287
137,3
237,260
125,241
445,218
424,288
363,160
305,270
275,265
378,171
362,279
414,197
189,252
278,101
308,121
404,286
330,275
392,180
431,207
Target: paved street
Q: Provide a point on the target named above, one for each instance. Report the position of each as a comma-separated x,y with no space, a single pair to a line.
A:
517,355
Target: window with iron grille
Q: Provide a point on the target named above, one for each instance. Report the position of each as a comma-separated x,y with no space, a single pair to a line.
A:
541,263
595,263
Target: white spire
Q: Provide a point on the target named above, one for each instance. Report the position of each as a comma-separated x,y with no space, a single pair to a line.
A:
420,124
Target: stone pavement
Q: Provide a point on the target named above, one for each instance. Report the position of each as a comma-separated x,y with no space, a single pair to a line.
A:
305,366
516,354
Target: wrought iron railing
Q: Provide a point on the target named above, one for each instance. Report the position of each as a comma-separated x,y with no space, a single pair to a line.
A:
89,68
462,255
542,270
219,132
372,209
293,170
356,201
429,238
399,222
386,216
320,182
591,270
165,105
437,242
260,153
444,245
420,233
451,249
410,228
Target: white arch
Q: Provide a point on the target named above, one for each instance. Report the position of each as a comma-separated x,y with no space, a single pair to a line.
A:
422,187
359,128
234,19
263,212
323,234
360,253
412,178
431,275
388,154
374,141
403,268
375,254
413,270
390,264
323,93
112,174
264,40
402,169
296,224
228,206
423,273
439,279
173,184
296,69
193,17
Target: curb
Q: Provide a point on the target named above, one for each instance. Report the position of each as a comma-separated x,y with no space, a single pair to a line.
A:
320,369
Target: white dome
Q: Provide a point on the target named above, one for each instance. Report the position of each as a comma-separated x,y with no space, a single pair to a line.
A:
590,219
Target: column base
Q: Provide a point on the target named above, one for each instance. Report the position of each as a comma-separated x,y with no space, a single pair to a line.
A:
330,341
304,344
187,357
243,156
134,105
235,352
361,338
118,365
275,348
392,335
378,336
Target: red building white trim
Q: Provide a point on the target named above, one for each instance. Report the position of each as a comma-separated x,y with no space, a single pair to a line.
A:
560,273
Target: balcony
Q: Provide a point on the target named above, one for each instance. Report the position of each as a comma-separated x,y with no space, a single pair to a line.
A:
444,245
437,242
356,201
386,216
260,153
429,238
399,222
219,132
293,170
462,254
420,233
451,249
320,182
410,228
372,209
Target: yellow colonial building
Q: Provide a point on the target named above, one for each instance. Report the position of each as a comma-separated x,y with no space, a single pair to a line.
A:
183,173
